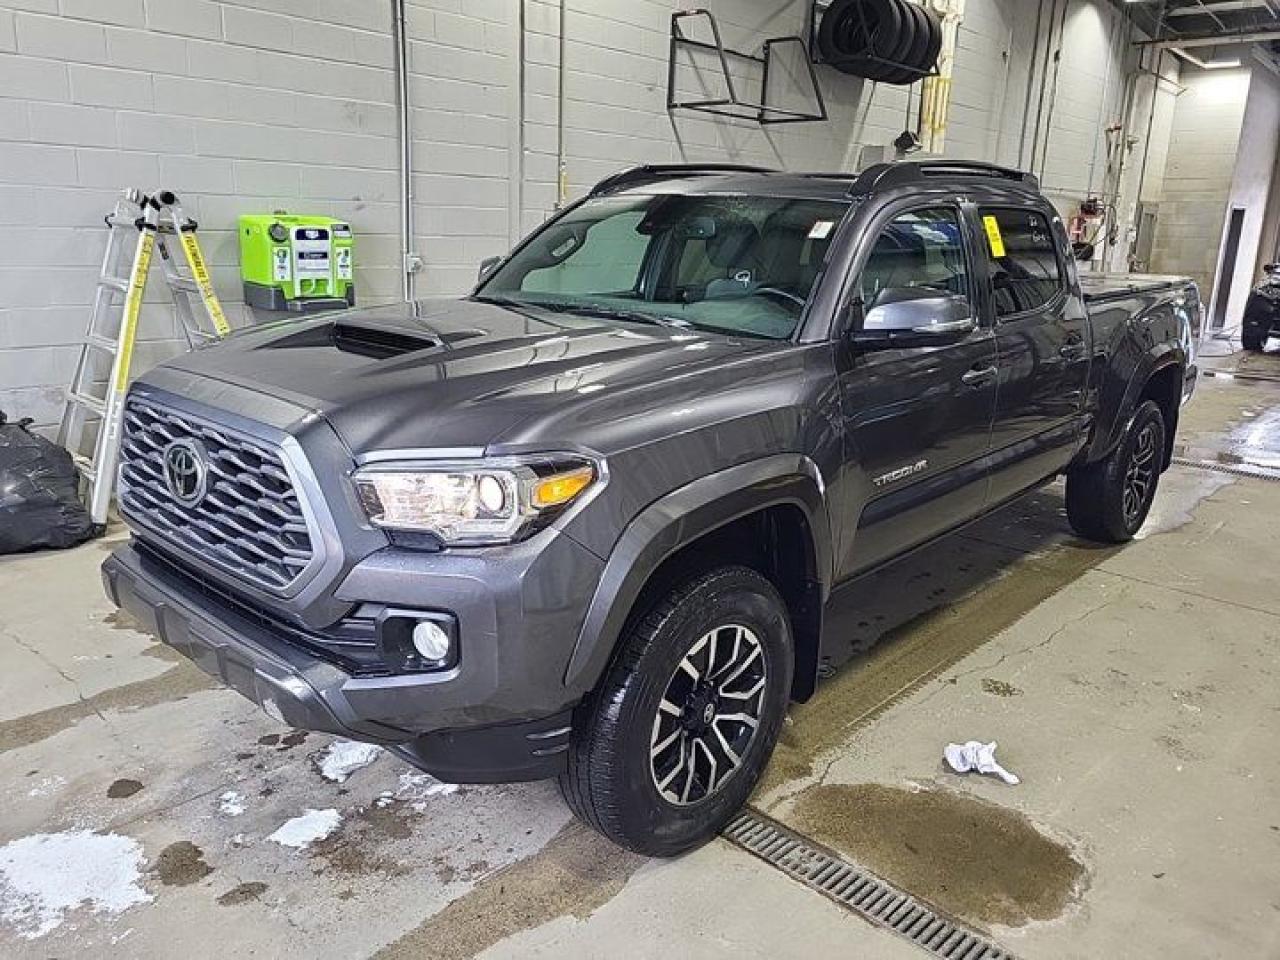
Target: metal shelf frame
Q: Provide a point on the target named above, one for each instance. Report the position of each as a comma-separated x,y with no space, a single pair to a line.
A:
732,105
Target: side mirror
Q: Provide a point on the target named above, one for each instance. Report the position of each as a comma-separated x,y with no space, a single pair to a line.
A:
487,266
912,317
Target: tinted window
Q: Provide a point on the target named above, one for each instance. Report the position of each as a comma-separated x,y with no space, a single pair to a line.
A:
920,250
1024,260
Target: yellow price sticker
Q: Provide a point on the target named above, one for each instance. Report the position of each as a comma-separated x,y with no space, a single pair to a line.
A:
993,236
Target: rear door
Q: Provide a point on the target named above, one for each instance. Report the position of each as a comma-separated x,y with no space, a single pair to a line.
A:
1042,337
916,418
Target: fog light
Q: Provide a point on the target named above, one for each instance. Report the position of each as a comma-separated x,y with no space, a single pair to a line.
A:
430,640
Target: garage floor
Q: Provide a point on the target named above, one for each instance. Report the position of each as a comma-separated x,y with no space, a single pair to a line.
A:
1133,690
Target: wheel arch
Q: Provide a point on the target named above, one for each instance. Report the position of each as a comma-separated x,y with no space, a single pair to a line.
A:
1160,379
769,514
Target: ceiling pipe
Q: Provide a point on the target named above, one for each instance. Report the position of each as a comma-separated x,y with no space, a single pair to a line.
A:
409,260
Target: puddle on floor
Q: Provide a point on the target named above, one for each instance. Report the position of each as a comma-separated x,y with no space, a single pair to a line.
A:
980,862
1180,492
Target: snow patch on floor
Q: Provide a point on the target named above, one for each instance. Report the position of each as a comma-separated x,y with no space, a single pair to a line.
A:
47,787
231,804
418,787
46,875
345,757
306,829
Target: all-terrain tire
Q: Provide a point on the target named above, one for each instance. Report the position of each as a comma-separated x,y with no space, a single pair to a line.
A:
1104,501
612,782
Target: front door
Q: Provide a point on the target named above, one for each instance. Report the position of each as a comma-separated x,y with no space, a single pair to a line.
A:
917,418
1042,332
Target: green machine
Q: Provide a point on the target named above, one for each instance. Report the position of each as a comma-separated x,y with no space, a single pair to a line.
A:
296,263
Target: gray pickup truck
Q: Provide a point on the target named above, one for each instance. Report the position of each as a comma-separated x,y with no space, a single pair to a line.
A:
586,522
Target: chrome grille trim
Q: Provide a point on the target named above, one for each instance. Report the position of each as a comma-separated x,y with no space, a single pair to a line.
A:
251,523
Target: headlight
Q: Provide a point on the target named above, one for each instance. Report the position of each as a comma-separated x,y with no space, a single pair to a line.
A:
474,503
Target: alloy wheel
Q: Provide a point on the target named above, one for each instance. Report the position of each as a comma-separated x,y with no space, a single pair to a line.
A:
708,714
1140,475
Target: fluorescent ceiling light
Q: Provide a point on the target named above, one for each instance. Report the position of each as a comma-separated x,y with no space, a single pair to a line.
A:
1204,64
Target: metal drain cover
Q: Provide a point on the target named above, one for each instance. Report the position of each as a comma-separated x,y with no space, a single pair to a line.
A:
1256,471
857,890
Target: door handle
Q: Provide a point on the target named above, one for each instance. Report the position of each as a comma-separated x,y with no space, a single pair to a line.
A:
971,378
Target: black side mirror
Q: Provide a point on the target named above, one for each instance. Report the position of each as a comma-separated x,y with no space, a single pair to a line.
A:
912,317
487,266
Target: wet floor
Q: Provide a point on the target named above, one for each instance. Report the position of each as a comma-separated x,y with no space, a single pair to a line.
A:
1132,689
968,857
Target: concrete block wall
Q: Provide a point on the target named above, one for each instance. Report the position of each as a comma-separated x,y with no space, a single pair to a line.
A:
253,105
238,106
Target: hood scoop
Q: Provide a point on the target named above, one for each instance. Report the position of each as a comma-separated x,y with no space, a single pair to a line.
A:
380,342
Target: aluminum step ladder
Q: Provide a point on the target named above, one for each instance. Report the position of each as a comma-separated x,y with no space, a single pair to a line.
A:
95,399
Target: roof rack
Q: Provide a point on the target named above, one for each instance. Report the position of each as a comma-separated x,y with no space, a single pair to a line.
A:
647,172
882,176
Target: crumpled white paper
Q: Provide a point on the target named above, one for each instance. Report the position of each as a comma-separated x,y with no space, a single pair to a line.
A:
977,756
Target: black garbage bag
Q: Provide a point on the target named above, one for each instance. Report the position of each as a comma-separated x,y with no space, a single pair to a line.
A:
39,493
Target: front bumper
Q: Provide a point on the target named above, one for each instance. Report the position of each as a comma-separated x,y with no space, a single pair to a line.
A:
421,717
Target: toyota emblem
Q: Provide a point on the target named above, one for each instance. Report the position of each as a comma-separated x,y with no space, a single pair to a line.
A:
186,471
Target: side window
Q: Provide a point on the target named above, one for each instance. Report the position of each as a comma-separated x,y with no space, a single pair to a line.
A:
918,254
608,264
1025,273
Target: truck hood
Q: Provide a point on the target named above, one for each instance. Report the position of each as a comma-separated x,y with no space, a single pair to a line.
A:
452,374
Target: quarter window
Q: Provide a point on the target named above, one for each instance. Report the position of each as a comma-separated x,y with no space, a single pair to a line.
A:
1025,273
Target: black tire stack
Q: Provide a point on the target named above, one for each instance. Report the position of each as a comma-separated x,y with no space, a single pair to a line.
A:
888,41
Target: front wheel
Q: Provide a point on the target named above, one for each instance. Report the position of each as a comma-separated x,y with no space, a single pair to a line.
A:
670,746
1109,500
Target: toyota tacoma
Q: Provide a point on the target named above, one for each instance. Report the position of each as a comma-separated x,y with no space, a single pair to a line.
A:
585,523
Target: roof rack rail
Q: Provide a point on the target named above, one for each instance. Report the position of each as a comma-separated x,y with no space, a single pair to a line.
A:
662,171
882,176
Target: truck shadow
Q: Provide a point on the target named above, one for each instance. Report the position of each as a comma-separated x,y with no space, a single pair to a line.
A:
895,629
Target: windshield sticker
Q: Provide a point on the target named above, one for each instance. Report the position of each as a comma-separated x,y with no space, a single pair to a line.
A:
821,229
993,236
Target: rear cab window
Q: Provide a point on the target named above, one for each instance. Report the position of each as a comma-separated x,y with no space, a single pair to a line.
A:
1026,272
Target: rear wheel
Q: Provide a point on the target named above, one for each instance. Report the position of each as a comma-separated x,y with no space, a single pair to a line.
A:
1109,500
1253,339
671,745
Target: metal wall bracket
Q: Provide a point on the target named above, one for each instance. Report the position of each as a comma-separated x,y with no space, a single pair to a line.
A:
733,105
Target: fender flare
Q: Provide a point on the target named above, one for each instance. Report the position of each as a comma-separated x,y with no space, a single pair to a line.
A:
1161,358
676,520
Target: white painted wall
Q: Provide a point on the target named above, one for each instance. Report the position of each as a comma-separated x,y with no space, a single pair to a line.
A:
1205,138
254,105
1251,186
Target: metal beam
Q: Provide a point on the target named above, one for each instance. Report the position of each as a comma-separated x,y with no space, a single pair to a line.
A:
1211,39
1226,6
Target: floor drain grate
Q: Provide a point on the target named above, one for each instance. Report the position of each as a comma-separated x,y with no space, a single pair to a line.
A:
874,899
1236,470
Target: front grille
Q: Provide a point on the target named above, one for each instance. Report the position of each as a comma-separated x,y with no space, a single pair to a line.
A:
249,521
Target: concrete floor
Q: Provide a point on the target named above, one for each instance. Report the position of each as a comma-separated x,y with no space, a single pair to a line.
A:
1133,690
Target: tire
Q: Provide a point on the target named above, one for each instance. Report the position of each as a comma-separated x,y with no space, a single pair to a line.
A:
616,782
1103,499
1253,339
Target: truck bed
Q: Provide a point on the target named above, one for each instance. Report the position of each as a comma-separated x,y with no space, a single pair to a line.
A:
1102,287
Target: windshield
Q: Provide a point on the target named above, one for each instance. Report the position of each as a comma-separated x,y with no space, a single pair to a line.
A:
739,265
